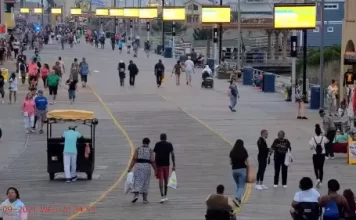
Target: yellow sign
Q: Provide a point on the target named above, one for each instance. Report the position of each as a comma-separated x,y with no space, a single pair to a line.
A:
351,152
37,10
101,12
56,11
25,10
116,12
173,14
215,14
302,16
131,12
148,13
75,11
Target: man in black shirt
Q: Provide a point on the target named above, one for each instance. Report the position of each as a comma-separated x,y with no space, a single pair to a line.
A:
263,156
133,70
163,150
159,72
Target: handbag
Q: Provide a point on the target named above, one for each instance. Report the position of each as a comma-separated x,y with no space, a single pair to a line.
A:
288,159
251,174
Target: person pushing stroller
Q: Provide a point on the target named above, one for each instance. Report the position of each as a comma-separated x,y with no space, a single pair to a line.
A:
207,76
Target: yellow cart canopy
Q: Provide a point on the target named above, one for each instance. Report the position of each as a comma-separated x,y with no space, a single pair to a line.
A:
70,115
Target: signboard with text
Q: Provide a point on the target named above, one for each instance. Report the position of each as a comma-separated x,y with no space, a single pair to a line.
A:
294,16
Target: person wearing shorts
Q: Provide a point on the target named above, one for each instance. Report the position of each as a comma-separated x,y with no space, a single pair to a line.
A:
53,82
163,150
41,109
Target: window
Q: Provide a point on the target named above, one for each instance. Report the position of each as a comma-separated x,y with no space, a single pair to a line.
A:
331,6
330,29
316,30
193,7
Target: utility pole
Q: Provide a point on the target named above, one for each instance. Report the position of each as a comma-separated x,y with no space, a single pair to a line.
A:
322,38
238,34
220,37
42,14
294,54
163,2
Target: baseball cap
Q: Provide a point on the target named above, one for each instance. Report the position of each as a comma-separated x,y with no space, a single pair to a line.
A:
40,91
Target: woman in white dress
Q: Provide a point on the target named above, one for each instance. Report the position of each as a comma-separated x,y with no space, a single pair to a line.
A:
13,87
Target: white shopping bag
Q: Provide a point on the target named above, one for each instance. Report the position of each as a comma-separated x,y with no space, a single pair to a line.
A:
129,182
288,159
173,180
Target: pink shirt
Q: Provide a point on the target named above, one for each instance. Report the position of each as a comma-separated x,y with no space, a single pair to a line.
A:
29,107
44,72
32,69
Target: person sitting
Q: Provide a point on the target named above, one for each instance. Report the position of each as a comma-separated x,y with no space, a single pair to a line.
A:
200,60
306,201
207,72
219,206
340,137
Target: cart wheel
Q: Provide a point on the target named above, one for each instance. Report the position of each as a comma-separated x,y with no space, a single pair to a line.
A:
51,176
89,175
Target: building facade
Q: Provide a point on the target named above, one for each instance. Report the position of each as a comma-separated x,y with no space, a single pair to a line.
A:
333,16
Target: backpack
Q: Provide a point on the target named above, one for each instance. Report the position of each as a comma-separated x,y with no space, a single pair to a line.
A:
318,147
308,211
331,211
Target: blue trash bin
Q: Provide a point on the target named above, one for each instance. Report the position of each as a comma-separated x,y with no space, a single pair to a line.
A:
315,97
269,82
211,64
168,52
159,49
247,76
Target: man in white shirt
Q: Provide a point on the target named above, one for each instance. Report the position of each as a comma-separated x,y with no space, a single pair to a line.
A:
189,70
332,97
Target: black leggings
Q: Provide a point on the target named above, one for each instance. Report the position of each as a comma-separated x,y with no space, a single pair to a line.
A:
262,164
330,135
159,77
278,165
318,163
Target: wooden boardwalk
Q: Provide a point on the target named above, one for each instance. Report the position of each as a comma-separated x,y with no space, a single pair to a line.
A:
197,122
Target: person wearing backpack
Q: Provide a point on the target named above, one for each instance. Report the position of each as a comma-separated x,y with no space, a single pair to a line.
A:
317,145
335,205
84,71
133,71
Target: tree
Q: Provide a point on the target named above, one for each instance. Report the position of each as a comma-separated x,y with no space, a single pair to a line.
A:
157,26
202,34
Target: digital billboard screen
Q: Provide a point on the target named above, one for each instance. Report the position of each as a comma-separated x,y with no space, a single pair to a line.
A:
148,13
116,12
173,14
24,10
101,12
75,11
56,11
131,12
294,16
215,14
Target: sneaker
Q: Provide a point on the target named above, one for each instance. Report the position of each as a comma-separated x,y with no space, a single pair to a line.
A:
327,158
134,199
33,130
318,183
41,131
74,178
264,187
285,186
162,200
304,117
275,186
332,158
165,199
299,117
258,187
27,131
68,181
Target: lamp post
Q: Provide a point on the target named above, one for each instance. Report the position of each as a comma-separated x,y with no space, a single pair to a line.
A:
238,33
322,36
220,37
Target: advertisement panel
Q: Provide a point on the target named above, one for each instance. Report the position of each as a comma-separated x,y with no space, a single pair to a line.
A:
102,12
37,10
215,14
131,12
116,12
75,11
294,16
24,10
56,11
148,13
173,14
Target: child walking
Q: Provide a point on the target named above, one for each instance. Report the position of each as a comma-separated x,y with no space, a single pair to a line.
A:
72,87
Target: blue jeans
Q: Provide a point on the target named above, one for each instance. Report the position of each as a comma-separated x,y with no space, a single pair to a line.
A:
239,176
233,101
71,94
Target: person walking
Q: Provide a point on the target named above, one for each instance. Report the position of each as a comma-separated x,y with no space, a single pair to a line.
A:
32,71
74,70
84,71
300,99
44,74
16,47
317,144
280,148
332,97
113,41
159,72
262,158
189,70
53,82
120,45
13,87
234,94
70,153
142,160
177,69
2,90
41,105
133,71
72,87
122,68
23,71
28,111
330,130
239,163
163,150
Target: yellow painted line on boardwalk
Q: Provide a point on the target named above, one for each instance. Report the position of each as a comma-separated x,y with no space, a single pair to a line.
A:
248,185
119,180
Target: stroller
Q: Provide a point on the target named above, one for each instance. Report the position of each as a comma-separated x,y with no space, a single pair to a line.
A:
208,81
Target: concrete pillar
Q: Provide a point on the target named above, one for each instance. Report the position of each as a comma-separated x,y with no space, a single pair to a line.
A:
284,44
269,44
276,45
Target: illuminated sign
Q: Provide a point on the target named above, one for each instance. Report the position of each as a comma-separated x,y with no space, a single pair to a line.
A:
131,12
25,10
215,14
294,16
56,11
75,11
116,12
173,14
148,13
37,10
101,12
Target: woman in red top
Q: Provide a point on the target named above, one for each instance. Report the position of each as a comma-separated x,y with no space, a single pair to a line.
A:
44,74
